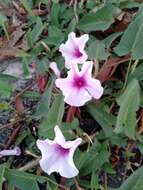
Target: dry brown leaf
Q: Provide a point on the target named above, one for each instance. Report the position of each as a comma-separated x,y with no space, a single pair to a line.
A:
18,8
110,66
15,36
5,9
141,123
19,104
7,53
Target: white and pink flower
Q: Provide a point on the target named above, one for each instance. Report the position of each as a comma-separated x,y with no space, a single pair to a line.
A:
57,155
10,152
73,50
79,87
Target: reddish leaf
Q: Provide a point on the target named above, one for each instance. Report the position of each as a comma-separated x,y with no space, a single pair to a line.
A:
110,66
19,104
72,112
42,82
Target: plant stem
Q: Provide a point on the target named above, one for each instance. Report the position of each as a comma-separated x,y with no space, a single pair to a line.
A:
127,74
30,165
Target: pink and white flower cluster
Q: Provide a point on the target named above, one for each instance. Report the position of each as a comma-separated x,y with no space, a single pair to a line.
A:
78,87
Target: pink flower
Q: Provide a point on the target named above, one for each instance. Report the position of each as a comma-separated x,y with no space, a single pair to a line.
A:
10,152
55,69
57,155
73,49
79,87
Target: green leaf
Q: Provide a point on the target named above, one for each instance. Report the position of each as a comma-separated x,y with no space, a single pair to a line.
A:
129,4
7,77
101,20
51,186
94,181
33,36
21,179
129,103
71,26
27,5
45,101
138,73
97,50
131,41
94,159
2,171
134,182
3,20
54,117
55,36
4,106
5,88
108,40
68,127
105,120
54,16
31,94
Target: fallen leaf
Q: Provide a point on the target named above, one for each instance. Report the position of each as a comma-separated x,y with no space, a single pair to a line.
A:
19,104
141,124
18,8
42,82
6,53
15,36
109,67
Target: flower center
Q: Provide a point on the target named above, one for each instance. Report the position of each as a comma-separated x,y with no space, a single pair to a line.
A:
77,53
61,151
79,82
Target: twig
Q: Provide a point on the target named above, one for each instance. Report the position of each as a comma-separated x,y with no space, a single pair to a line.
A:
77,184
12,137
127,74
9,125
75,10
30,165
25,89
62,182
105,182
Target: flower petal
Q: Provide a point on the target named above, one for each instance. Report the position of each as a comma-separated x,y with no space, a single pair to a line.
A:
67,167
67,48
45,147
50,164
82,40
59,138
64,85
75,144
72,144
77,97
62,165
76,60
87,69
94,88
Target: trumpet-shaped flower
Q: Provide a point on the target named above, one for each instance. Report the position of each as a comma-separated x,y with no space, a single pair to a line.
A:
73,49
10,152
79,86
57,155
